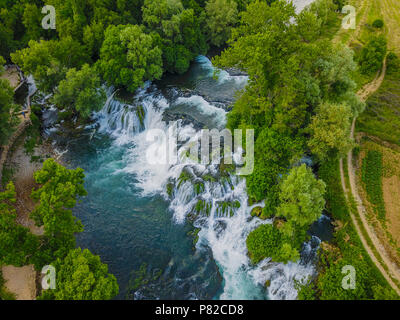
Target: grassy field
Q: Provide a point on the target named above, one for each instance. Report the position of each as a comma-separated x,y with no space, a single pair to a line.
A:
382,115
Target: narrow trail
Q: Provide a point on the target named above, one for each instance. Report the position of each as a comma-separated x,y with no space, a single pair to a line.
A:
391,271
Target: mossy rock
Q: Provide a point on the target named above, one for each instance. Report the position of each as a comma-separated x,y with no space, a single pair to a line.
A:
199,187
267,283
279,223
195,234
185,176
170,189
256,211
140,112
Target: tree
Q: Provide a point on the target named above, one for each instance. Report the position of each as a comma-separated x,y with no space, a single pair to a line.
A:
17,244
49,61
222,15
330,131
57,195
274,153
373,54
267,241
301,200
7,121
264,242
31,19
82,276
80,91
177,32
129,57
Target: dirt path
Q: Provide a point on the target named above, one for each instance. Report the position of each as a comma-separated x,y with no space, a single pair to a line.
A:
24,183
362,238
20,281
373,86
393,270
12,75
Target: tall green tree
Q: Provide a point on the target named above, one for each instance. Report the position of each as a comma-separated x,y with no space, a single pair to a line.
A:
80,92
7,121
373,54
178,31
330,131
58,192
49,61
301,201
82,276
129,57
222,16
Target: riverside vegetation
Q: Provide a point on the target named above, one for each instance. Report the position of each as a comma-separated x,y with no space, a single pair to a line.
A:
300,100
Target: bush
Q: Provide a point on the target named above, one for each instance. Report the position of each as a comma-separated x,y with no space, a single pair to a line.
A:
265,241
378,23
372,55
393,64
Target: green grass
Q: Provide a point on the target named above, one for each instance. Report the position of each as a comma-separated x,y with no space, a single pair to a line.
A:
382,115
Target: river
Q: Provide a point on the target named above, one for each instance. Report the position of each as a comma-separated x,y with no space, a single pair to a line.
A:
142,231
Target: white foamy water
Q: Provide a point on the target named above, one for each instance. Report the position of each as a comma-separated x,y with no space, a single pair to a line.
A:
224,226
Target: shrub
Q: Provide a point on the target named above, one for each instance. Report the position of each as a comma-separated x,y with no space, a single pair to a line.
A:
393,64
263,242
372,55
378,23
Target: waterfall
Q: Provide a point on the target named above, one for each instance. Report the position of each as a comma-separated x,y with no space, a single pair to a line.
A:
215,201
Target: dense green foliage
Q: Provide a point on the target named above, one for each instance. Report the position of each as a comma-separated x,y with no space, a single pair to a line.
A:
330,131
20,21
80,91
371,174
301,202
17,244
268,241
49,61
7,122
300,99
293,74
178,31
82,276
372,55
301,198
129,42
57,195
129,57
222,15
